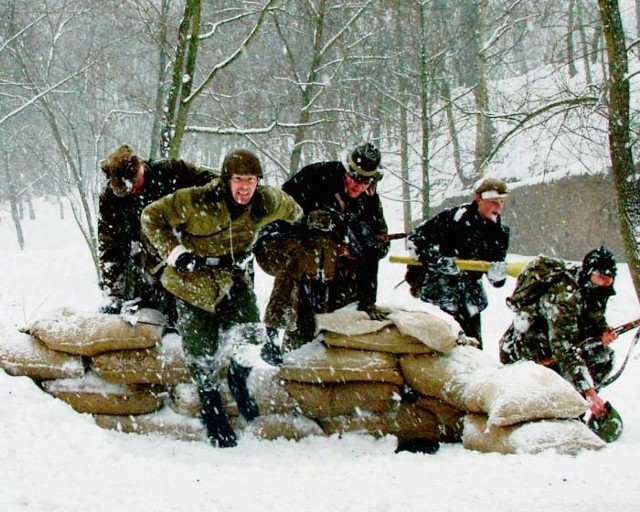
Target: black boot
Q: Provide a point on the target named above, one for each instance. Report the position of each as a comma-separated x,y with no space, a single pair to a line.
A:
270,351
237,379
215,420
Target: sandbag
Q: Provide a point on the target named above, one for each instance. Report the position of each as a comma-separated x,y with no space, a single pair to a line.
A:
23,355
388,339
521,392
315,363
349,322
429,329
448,417
321,400
89,334
163,364
282,426
91,394
562,436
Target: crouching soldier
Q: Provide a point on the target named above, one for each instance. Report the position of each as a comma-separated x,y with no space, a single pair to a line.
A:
557,308
205,235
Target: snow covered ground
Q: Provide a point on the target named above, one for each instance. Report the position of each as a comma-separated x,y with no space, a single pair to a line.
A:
53,459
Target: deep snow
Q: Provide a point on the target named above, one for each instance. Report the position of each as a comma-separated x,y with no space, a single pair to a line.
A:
54,459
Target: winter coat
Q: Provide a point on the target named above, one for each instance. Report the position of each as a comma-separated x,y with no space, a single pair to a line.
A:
556,325
357,222
125,256
200,219
458,232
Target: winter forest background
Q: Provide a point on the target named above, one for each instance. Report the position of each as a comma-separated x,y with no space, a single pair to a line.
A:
446,89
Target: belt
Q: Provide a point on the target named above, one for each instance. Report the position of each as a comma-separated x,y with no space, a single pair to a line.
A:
239,261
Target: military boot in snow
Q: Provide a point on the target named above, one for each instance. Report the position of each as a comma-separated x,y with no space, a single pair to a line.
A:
215,420
237,379
270,351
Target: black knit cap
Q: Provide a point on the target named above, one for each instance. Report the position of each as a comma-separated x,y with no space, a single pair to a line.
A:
601,261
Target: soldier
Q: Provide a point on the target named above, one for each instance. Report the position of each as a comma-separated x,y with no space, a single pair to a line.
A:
127,262
557,308
205,235
332,258
469,231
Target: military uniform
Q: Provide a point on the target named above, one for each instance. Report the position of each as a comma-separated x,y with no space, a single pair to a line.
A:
458,232
329,261
127,261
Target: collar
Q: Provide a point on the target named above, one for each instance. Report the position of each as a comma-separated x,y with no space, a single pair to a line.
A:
137,188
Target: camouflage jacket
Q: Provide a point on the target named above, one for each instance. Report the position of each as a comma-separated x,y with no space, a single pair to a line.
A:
554,327
458,232
200,220
120,241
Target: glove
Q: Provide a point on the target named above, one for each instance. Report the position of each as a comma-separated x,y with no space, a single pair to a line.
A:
497,271
446,265
375,312
188,262
110,306
320,220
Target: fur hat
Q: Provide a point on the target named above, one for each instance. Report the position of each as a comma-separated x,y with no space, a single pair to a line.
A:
491,188
242,162
119,161
363,163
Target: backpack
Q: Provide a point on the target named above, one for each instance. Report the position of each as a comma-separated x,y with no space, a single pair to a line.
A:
537,277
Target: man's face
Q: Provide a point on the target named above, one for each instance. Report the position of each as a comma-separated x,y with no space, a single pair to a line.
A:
242,187
489,209
353,187
122,180
601,279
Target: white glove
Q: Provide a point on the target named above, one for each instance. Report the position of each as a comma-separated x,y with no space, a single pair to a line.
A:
497,271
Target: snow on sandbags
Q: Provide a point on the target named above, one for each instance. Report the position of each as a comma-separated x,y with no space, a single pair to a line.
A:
563,436
88,334
471,381
24,355
315,363
404,332
162,364
91,394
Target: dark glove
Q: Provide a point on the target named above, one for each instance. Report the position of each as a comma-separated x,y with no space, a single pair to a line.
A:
111,306
497,271
374,312
446,265
320,221
188,262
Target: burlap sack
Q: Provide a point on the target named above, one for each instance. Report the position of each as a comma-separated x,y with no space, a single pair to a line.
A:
90,334
429,329
448,417
315,363
285,426
388,339
562,436
24,355
407,421
446,376
322,400
349,322
163,364
94,395
522,392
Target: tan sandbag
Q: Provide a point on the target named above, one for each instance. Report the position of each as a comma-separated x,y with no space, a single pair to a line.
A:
448,417
522,392
94,395
315,363
387,339
407,421
562,436
285,426
163,364
88,334
322,400
446,376
23,355
429,329
349,322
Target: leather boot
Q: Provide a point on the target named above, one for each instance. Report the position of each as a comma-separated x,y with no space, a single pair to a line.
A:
237,379
215,420
270,351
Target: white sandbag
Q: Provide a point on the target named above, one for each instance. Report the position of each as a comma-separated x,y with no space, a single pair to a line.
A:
315,363
94,395
429,329
522,392
562,436
24,355
162,364
388,339
282,426
89,334
349,322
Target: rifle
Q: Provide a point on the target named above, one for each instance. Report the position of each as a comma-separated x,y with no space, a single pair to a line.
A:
514,268
388,237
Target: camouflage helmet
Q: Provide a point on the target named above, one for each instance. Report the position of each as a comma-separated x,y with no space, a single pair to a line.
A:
609,428
363,163
241,162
